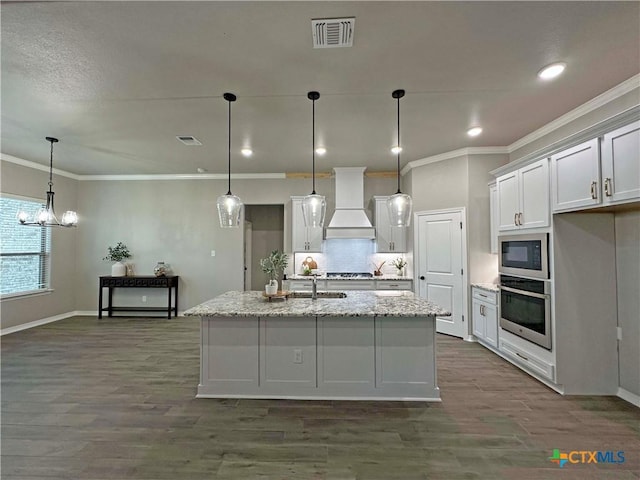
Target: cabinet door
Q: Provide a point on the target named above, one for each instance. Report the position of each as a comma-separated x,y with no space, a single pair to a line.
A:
575,177
384,238
621,164
491,324
493,217
508,201
478,319
398,239
314,239
298,233
534,195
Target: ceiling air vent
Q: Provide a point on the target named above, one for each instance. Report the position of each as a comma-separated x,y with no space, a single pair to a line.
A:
188,140
333,32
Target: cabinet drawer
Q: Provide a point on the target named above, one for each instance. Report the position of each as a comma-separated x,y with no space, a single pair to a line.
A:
350,284
302,284
394,284
529,361
484,295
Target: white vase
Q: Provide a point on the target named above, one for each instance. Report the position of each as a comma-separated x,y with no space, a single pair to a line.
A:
400,272
118,269
271,288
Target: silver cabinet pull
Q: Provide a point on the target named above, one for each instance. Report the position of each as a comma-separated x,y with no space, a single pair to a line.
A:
522,356
607,187
520,219
515,219
594,190
482,310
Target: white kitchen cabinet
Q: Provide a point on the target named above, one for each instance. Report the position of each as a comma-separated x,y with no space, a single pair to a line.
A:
493,216
303,238
297,284
575,177
350,284
389,239
621,165
523,197
485,316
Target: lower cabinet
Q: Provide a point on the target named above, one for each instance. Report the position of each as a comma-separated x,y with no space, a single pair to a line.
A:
485,316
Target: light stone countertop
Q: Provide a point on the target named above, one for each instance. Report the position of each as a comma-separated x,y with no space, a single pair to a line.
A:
347,279
358,303
489,287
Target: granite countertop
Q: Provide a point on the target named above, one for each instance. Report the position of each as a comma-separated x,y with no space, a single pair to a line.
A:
358,303
346,279
490,287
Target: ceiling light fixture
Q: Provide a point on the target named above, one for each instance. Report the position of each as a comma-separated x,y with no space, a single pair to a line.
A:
246,151
321,150
46,216
400,204
396,149
229,205
474,131
313,205
552,71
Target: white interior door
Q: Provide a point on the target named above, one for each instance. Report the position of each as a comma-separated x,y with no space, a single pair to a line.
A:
248,232
440,267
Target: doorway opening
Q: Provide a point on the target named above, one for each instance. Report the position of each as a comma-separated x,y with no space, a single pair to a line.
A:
264,232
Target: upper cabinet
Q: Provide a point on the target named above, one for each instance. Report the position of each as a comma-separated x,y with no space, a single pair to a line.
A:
303,238
523,197
596,174
575,177
389,239
493,216
621,164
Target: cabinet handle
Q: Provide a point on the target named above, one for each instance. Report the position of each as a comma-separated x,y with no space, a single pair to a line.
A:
482,310
515,219
594,190
607,187
522,356
520,219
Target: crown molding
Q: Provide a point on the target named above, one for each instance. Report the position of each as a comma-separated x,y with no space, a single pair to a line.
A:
593,104
38,166
187,176
453,154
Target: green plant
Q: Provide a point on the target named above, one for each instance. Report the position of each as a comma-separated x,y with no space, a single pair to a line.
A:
399,263
274,264
118,253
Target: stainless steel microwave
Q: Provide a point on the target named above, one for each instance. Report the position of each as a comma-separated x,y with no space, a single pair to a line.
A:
525,255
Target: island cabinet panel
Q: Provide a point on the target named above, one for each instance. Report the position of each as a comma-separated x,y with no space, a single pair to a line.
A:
287,354
229,354
404,354
346,355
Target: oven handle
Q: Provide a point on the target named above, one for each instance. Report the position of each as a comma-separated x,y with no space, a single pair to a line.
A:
544,296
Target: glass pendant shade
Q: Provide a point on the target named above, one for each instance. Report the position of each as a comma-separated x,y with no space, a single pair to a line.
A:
46,216
229,210
399,207
314,207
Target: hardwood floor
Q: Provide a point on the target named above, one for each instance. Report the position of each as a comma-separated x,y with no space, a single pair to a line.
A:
114,399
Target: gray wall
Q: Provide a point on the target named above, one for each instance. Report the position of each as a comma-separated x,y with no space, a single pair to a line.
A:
627,228
18,180
267,234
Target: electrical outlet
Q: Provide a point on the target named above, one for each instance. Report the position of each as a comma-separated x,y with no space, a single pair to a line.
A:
297,355
144,299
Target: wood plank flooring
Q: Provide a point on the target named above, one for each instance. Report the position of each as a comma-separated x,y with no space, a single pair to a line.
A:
115,399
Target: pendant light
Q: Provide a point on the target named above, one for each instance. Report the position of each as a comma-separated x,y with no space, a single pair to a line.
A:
46,216
400,204
313,205
229,205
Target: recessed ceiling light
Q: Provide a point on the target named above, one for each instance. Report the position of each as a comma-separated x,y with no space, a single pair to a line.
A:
552,71
396,149
321,150
201,170
474,131
246,151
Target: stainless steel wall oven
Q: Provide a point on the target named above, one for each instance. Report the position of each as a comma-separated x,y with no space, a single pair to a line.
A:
525,309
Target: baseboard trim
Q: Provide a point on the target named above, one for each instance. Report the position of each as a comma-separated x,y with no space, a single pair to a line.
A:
629,397
37,323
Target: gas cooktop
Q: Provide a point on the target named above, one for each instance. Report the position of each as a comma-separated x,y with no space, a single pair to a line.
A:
349,275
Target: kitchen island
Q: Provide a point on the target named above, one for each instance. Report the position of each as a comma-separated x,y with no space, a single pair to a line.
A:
370,345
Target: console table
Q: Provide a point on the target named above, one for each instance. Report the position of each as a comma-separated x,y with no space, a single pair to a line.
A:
151,281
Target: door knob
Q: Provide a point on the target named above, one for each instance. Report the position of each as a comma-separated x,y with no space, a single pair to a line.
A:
421,277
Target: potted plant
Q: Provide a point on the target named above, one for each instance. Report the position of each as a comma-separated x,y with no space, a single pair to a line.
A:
399,263
117,254
273,266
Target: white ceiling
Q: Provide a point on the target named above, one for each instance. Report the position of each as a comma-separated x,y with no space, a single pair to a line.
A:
117,81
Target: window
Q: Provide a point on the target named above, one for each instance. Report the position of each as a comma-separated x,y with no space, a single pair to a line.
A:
25,252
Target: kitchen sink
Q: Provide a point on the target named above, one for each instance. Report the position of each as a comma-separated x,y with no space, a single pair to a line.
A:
306,294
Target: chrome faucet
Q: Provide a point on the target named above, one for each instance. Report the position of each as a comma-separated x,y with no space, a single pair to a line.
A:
314,288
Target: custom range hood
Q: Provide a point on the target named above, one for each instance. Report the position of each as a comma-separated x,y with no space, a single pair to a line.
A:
350,220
